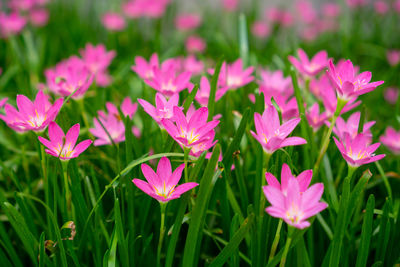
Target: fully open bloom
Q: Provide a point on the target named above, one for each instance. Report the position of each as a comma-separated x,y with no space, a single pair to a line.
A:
192,65
163,109
191,129
357,151
271,134
309,67
291,199
143,68
233,76
113,21
64,146
273,82
391,139
97,59
349,85
162,185
34,116
203,94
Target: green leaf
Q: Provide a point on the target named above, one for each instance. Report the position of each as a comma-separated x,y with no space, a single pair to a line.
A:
213,89
189,99
234,243
366,233
383,236
243,42
123,246
42,254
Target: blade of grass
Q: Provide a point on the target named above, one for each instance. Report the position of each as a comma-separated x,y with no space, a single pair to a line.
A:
366,233
213,89
190,98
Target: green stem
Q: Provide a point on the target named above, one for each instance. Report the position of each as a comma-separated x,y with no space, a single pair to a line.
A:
350,172
162,231
262,199
276,241
285,252
64,167
185,159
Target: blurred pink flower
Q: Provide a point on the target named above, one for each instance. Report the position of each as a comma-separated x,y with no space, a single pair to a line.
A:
163,109
260,29
162,185
358,151
233,76
287,104
3,102
396,6
195,44
309,67
192,65
34,116
128,108
273,82
317,86
306,11
11,24
291,199
64,146
145,70
331,10
271,134
187,21
356,3
381,7
391,139
230,5
203,94
391,95
39,16
393,57
97,59
314,118
113,21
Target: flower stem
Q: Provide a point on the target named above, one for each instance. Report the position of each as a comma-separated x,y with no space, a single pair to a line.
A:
285,252
276,241
185,159
64,167
350,172
163,207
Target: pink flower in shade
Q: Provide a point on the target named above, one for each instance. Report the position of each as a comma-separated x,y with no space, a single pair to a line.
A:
11,24
68,76
273,82
309,67
349,85
292,200
391,95
64,146
314,118
260,29
195,44
391,139
271,134
113,21
164,108
185,22
331,10
287,104
233,76
39,16
357,151
393,57
343,128
203,94
128,108
192,65
97,59
162,185
168,82
114,131
381,7
35,116
192,129
3,102
306,11
230,5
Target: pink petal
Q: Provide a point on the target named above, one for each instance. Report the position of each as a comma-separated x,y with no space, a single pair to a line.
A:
304,179
82,146
72,136
164,168
183,188
151,176
56,134
145,187
272,181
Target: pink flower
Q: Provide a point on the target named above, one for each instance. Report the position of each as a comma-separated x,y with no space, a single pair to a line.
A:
39,16
260,29
191,129
97,59
306,11
391,95
68,76
192,65
350,127
21,5
3,102
391,139
292,200
35,116
349,85
381,7
307,67
396,6
314,118
11,24
393,57
273,82
287,104
356,3
271,134
358,151
143,69
198,149
128,108
113,21
163,108
230,5
203,94
331,10
233,76
134,9
195,44
64,146
185,22
318,86
162,185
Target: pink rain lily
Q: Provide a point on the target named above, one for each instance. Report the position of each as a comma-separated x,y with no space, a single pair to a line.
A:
39,16
292,200
233,76
191,129
195,44
309,67
273,82
393,57
391,95
97,59
143,68
331,10
306,11
203,94
271,134
198,149
357,151
162,185
349,85
35,116
128,108
145,8
351,127
164,108
11,24
314,118
381,7
230,5
3,102
260,29
68,76
318,86
287,104
192,65
113,21
185,22
391,139
64,146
